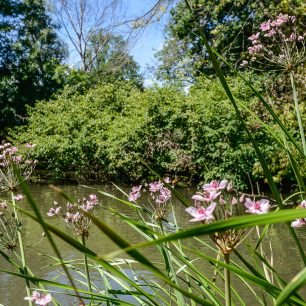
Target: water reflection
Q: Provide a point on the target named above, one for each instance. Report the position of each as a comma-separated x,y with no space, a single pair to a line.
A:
39,252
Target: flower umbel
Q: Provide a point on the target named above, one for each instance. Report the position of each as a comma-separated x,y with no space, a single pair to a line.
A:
159,197
74,217
13,165
219,201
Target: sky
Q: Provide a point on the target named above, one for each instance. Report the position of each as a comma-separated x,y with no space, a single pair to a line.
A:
151,39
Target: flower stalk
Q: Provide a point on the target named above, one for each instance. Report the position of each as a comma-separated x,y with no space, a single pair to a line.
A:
227,280
21,247
86,265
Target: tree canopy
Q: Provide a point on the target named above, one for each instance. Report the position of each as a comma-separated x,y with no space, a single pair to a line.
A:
29,58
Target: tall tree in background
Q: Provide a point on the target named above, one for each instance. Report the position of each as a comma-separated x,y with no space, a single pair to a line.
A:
113,61
81,20
227,24
31,54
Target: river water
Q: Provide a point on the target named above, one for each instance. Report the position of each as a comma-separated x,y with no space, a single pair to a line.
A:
38,251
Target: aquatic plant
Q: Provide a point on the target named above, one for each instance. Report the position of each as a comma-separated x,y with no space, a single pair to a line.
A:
78,222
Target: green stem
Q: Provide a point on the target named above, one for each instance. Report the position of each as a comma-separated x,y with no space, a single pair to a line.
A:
21,247
86,266
298,113
227,281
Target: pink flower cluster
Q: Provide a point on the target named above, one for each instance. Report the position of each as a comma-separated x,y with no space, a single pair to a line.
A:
211,192
221,192
18,197
219,201
74,216
39,299
271,42
10,163
300,222
135,193
158,193
278,22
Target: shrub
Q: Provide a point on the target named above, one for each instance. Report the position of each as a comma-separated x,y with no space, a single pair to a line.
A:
107,131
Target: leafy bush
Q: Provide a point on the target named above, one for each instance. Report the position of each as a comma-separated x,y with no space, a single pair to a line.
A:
108,130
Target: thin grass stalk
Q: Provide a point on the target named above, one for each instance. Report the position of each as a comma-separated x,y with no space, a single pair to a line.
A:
86,266
170,268
298,113
21,247
227,281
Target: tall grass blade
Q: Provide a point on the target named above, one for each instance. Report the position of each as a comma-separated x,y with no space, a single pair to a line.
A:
290,289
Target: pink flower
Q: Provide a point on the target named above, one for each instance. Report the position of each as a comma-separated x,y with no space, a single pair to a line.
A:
280,20
14,150
271,33
257,207
265,26
255,49
53,211
254,36
135,193
211,195
298,223
39,299
215,185
165,195
201,214
72,218
133,196
18,197
244,63
234,201
3,205
93,199
30,146
155,186
303,204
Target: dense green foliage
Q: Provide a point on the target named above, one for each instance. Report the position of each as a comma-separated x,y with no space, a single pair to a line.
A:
29,57
32,56
107,130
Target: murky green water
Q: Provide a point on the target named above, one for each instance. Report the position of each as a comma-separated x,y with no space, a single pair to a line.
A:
38,251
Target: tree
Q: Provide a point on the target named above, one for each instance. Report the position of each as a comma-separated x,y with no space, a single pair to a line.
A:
112,62
227,24
81,20
31,54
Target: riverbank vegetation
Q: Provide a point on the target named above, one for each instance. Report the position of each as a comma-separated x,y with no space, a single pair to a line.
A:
100,124
241,120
